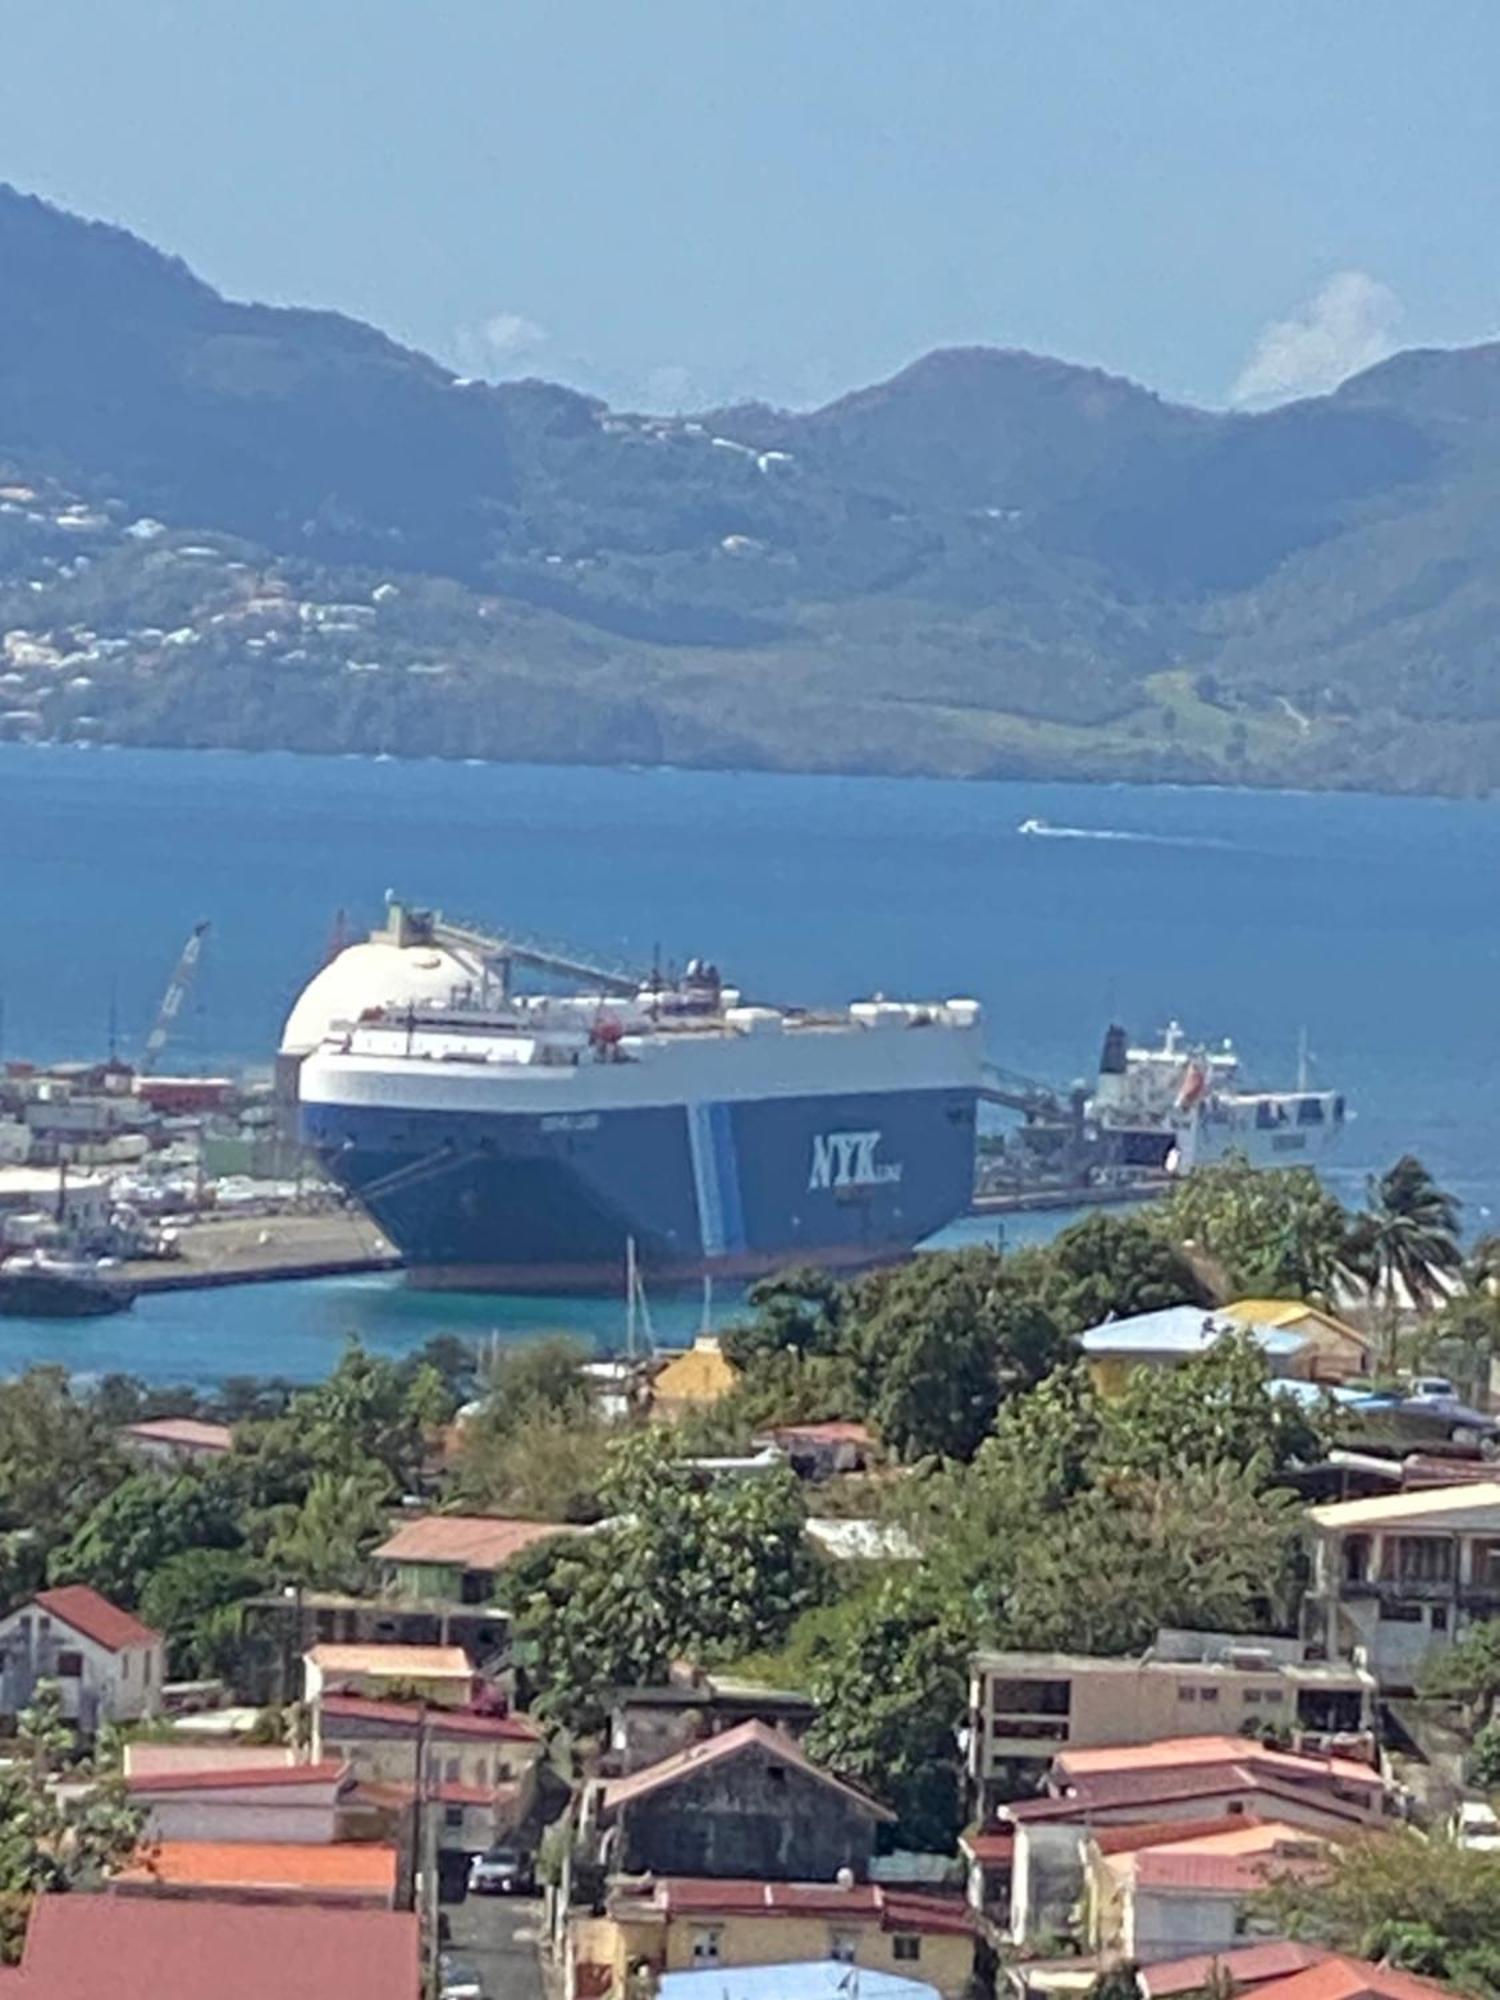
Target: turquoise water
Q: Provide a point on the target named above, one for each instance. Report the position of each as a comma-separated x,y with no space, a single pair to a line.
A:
1369,922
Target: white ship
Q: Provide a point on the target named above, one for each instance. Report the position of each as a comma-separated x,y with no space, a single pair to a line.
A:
1177,1105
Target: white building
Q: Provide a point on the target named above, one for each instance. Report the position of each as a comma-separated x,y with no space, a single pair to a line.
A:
107,1664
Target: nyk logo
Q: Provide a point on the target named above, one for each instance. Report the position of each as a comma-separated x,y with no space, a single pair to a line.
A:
847,1159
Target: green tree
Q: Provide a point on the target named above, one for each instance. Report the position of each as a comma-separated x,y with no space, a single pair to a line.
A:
800,1312
890,1687
150,1517
1405,1244
1428,1905
1110,1266
324,1543
942,1343
1468,1672
52,1840
368,1412
193,1601
536,1376
56,1457
710,1572
541,1466
1220,1406
1272,1231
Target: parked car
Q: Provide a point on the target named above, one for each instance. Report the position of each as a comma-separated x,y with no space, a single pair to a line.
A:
500,1871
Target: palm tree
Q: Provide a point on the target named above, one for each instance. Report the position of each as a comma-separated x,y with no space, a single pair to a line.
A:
1406,1242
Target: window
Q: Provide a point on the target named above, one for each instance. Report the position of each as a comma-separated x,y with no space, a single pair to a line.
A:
841,1946
450,1771
1394,1612
1252,1697
1418,1559
453,1816
1439,1617
124,1665
705,1947
1186,1692
1208,1694
1485,1568
776,1773
69,1666
1272,1697
1012,1697
906,1948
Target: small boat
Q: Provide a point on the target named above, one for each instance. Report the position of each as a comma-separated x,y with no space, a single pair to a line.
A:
1033,826
35,1286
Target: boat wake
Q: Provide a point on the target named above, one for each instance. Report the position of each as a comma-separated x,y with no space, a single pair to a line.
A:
1041,829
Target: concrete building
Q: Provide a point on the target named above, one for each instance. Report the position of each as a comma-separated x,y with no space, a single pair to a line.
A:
647,1724
107,1665
1026,1707
440,1675
1190,1787
481,1770
1150,1898
747,1804
1401,1576
679,1925
294,1805
277,1629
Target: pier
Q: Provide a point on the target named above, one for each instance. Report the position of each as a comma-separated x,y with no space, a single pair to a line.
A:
260,1249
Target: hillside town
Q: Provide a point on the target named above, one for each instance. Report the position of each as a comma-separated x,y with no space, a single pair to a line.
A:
1108,1619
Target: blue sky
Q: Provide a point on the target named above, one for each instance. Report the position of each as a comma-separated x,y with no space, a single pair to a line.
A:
682,201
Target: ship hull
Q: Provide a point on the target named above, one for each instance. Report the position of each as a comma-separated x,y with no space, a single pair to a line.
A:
497,1201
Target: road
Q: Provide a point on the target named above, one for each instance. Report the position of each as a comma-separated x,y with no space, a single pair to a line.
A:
497,1937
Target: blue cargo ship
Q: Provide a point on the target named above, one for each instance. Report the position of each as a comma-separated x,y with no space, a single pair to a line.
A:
525,1142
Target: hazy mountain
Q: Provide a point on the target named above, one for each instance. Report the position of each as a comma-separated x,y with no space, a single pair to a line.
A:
992,562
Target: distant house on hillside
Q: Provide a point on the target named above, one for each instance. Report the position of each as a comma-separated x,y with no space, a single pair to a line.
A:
177,1440
694,1380
456,1557
1114,1349
108,1666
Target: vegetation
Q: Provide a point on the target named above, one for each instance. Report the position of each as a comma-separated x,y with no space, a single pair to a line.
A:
1296,597
683,1569
1428,1906
50,1841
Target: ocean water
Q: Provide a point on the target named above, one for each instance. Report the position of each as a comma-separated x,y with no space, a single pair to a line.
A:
1369,923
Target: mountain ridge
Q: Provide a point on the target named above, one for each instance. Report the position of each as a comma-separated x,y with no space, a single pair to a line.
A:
991,563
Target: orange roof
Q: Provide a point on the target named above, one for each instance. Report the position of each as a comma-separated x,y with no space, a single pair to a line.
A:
425,1663
1177,1751
1160,1832
1342,1978
95,1617
1247,1965
1167,1868
467,1541
348,1868
237,1778
744,1736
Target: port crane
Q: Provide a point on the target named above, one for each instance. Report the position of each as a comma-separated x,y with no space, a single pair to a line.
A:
172,999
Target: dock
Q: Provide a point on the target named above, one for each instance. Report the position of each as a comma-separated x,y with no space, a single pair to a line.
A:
1044,1200
264,1249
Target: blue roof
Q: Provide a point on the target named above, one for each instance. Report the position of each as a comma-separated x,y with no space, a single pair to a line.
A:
1184,1331
811,1979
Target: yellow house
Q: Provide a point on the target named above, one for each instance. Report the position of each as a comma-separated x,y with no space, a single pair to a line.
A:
692,1924
1331,1350
694,1380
